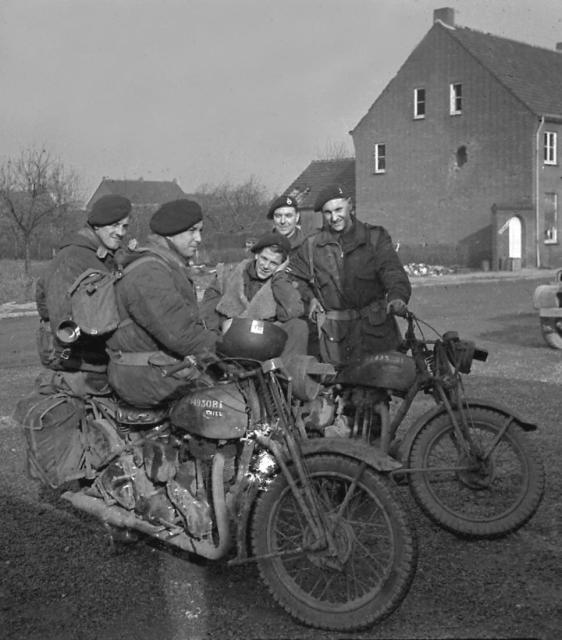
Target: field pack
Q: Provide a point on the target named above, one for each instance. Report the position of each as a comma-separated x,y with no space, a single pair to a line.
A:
93,301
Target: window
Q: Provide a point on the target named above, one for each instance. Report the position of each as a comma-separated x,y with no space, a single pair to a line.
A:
455,99
379,158
419,103
462,156
550,218
549,147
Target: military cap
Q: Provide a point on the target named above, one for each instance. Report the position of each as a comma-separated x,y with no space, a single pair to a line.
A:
282,201
331,192
175,216
269,239
109,210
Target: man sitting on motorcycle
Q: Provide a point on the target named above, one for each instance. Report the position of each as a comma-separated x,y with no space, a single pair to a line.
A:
258,288
160,319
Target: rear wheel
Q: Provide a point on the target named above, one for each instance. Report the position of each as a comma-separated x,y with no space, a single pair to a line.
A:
489,492
367,570
551,329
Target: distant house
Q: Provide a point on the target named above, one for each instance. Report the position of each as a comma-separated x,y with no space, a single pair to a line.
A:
140,192
317,175
459,156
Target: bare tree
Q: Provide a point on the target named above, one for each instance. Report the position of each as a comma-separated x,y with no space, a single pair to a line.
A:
335,151
235,208
35,190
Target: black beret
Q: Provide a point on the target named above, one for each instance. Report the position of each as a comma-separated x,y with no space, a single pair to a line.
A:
331,192
282,201
109,210
269,239
175,216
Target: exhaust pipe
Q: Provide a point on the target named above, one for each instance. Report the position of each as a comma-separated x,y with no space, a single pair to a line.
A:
119,517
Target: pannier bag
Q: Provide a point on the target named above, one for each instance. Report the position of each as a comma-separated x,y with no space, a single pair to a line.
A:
52,432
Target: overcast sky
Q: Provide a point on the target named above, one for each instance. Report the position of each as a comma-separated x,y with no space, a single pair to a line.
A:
206,91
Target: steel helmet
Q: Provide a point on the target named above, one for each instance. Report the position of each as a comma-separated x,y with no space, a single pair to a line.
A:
252,339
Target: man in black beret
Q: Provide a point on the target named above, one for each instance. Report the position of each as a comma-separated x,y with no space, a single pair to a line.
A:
160,319
258,288
352,281
284,211
92,247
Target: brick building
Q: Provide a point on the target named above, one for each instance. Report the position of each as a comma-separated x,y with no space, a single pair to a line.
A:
458,156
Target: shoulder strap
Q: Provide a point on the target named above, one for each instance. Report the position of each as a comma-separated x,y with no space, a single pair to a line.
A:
144,260
374,235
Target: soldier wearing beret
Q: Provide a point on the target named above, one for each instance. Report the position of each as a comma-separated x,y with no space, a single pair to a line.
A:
352,280
258,288
284,211
92,247
160,319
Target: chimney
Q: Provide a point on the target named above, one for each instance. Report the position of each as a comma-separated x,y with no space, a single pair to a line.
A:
445,15
559,46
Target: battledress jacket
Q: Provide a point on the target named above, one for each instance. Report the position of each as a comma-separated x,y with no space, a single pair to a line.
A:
355,272
159,300
81,251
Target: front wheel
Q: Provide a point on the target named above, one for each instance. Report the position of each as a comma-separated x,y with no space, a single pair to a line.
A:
365,570
551,329
487,492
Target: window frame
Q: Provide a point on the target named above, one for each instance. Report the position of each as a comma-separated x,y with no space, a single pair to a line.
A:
455,98
552,239
419,103
550,151
378,158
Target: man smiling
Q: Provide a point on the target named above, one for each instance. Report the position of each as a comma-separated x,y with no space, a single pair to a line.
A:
352,280
284,211
259,288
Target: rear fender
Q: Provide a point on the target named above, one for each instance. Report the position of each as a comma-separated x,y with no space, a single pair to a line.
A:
355,449
418,425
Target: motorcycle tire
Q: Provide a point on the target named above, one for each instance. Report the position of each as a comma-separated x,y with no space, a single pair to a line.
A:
551,333
376,547
500,487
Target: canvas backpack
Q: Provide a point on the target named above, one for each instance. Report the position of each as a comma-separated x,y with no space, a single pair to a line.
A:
93,302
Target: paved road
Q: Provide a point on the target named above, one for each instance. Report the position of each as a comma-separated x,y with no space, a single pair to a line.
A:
59,581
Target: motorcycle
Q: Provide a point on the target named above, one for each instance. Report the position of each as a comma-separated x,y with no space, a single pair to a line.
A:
227,472
467,461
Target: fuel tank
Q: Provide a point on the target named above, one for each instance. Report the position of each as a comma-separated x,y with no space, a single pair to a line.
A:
390,370
217,412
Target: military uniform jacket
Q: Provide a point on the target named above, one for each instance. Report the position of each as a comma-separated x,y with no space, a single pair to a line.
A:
158,306
357,271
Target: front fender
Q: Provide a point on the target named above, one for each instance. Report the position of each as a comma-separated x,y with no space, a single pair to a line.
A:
352,449
426,417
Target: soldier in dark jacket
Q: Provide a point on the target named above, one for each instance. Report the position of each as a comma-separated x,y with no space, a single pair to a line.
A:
284,211
352,281
259,288
92,247
160,319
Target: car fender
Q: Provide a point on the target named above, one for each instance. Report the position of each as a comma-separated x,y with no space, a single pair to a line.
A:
422,421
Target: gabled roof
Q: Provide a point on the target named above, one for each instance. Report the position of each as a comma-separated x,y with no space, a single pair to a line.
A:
532,74
319,174
140,192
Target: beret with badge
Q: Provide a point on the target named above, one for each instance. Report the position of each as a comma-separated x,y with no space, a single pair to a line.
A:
331,192
282,201
175,217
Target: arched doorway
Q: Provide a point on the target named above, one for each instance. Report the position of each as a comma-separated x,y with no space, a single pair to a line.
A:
514,241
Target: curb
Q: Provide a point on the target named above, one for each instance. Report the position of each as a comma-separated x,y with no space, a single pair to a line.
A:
483,276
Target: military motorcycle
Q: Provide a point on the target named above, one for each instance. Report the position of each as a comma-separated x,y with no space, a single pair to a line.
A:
468,461
229,471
